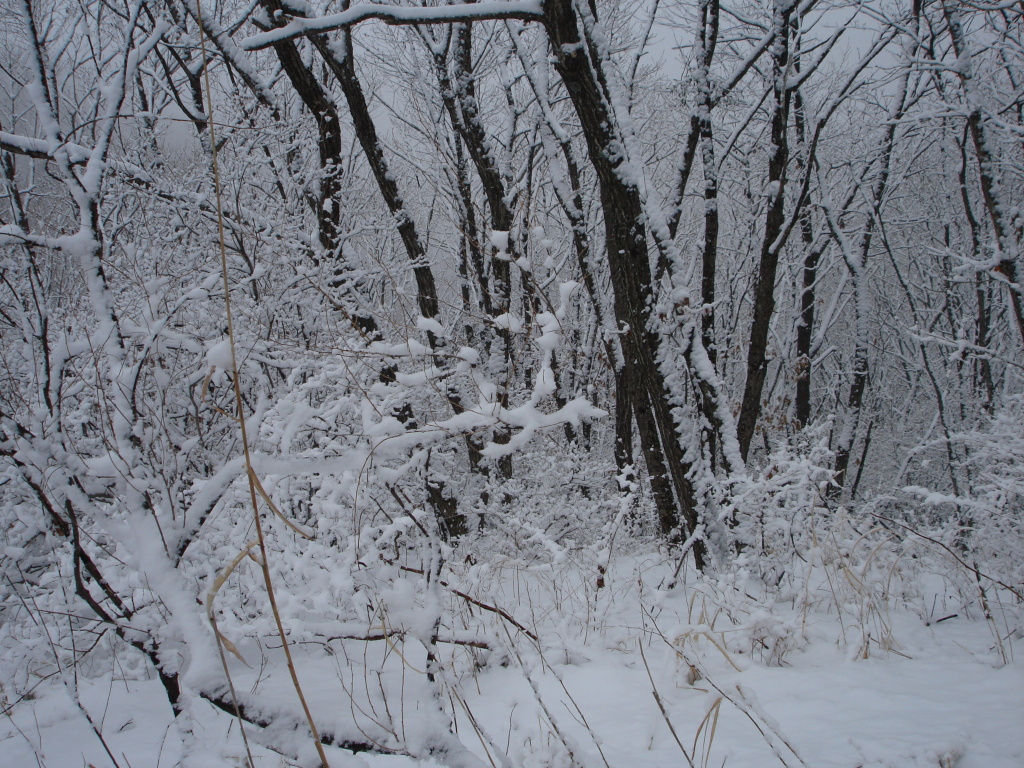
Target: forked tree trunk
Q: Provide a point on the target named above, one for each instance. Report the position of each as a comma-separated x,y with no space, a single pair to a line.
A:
453,523
580,66
460,100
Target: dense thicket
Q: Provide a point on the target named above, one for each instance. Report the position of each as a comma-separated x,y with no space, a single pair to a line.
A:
533,275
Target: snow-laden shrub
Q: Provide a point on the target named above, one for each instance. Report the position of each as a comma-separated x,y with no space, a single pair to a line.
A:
797,554
987,515
769,510
976,529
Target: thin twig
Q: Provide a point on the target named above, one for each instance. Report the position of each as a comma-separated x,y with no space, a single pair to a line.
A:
240,416
661,706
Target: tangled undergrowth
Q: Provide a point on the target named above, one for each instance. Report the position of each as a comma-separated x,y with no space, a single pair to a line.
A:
409,646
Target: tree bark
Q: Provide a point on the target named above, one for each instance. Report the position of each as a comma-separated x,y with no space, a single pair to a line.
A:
812,255
988,173
580,66
764,289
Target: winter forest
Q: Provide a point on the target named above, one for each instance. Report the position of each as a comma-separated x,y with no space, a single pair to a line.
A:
515,383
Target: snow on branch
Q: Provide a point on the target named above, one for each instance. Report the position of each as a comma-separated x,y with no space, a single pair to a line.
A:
38,148
77,154
527,10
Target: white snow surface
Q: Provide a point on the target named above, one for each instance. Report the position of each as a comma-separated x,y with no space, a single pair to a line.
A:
939,696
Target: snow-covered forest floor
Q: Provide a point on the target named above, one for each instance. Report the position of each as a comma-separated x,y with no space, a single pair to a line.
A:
557,383
865,653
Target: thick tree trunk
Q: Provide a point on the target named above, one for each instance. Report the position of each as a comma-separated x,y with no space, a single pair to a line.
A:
580,66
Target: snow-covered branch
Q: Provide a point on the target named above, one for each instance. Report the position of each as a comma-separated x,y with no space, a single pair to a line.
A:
526,10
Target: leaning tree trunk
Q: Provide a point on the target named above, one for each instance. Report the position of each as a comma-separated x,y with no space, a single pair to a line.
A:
460,100
340,61
580,65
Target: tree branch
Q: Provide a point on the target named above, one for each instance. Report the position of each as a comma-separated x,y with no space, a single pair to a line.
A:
527,10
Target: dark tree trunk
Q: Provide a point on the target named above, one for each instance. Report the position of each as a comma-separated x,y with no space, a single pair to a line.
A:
988,168
324,112
580,67
764,290
709,253
343,68
982,365
812,255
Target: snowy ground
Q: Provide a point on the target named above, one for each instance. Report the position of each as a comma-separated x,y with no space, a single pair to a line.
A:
780,684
